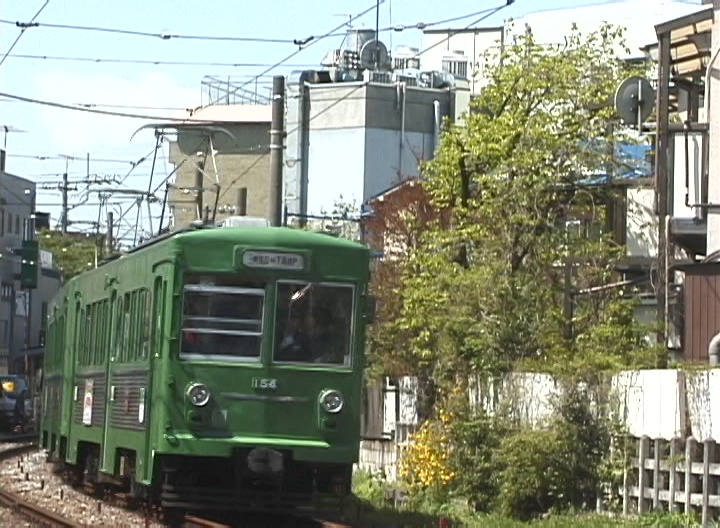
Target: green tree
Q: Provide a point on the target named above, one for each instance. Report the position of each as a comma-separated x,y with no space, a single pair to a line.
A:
73,253
483,290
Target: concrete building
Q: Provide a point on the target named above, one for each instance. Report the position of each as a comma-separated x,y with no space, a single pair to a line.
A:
352,140
363,124
461,51
221,150
22,313
472,49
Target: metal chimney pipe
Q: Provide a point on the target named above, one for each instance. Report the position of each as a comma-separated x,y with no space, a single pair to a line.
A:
277,141
241,206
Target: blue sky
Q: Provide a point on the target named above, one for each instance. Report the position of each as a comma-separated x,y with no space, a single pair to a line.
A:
50,132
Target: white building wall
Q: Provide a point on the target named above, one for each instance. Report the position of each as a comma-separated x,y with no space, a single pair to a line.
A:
642,227
475,44
690,172
336,168
392,156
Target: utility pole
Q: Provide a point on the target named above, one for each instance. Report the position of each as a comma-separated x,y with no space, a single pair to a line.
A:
712,106
64,214
277,141
109,236
241,207
199,189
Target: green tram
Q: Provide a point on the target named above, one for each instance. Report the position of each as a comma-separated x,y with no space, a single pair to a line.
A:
213,368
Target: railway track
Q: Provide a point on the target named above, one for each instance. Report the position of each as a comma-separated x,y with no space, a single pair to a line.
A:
12,501
192,521
19,505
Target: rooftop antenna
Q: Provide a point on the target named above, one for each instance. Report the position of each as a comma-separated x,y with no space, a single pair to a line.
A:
10,128
377,34
348,15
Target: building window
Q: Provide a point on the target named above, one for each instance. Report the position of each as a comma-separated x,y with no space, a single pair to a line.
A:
4,333
17,224
2,222
6,292
43,315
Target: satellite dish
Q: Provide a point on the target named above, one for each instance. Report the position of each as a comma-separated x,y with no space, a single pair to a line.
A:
367,55
634,100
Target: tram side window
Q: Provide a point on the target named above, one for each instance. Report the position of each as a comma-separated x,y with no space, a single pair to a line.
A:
59,340
145,316
222,319
314,323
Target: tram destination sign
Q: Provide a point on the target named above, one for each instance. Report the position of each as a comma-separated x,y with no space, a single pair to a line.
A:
273,260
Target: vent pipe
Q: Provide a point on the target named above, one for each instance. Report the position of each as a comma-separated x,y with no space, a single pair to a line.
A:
277,141
241,206
714,350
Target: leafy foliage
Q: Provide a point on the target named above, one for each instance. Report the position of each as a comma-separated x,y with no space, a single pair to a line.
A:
487,278
505,260
396,225
73,253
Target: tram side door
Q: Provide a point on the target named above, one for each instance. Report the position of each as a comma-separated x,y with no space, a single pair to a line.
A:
158,336
110,342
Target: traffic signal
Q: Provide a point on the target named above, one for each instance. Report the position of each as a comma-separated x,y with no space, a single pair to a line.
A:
29,262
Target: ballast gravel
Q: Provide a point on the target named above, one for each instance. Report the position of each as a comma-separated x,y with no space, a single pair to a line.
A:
32,478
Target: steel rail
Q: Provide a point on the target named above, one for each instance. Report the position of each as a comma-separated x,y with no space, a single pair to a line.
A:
12,501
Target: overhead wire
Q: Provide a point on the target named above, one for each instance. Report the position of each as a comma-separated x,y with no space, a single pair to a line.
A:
486,14
136,33
305,46
424,25
151,62
22,32
130,115
43,157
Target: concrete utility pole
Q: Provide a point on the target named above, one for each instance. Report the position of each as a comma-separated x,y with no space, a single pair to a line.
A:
277,141
199,188
64,213
109,235
712,92
241,207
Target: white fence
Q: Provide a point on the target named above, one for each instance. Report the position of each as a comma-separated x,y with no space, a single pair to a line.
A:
673,417
676,475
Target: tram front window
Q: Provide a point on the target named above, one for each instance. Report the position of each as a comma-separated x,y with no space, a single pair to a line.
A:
314,323
222,319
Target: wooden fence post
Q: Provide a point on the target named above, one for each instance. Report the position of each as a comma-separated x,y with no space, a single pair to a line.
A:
643,451
689,454
657,477
708,452
672,477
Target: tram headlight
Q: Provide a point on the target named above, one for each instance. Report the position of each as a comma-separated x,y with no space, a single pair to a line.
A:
332,401
198,394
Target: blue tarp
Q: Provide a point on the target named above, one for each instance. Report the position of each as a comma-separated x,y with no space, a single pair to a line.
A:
631,164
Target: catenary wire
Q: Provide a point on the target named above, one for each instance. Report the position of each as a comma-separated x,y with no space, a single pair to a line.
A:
22,32
424,25
151,62
307,45
132,32
101,112
486,14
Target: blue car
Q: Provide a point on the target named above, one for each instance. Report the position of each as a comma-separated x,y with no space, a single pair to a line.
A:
16,405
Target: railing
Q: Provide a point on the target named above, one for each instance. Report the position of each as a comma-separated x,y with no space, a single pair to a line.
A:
678,475
234,90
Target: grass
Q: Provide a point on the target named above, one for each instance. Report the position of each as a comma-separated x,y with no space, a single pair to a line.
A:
374,508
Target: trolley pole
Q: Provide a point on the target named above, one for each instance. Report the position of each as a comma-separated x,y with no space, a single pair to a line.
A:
277,141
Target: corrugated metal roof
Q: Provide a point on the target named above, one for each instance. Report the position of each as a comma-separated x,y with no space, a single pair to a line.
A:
690,40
